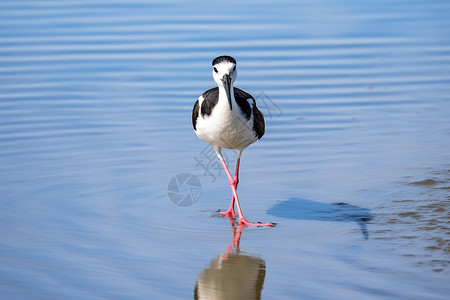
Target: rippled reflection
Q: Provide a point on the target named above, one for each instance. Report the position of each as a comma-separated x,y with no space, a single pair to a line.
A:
232,275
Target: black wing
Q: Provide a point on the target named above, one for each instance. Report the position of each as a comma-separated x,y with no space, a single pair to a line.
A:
258,121
195,115
210,99
242,98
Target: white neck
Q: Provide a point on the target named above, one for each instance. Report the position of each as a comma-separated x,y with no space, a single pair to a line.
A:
223,101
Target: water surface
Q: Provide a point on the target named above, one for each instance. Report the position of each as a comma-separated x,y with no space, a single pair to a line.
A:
95,123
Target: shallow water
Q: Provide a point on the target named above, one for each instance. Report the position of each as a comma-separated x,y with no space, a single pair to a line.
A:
95,136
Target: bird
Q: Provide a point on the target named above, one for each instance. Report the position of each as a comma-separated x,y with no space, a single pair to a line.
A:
227,117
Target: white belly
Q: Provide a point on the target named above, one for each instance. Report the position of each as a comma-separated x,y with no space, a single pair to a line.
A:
225,128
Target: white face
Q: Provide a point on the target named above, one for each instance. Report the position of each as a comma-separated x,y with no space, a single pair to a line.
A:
221,69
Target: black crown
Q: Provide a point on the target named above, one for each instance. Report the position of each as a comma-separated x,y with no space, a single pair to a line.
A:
222,59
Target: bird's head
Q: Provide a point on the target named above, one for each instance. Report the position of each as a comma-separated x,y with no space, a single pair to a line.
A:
224,73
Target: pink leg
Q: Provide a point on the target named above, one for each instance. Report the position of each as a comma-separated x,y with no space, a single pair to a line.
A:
233,183
230,210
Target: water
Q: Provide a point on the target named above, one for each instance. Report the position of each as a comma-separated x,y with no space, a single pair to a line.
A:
95,109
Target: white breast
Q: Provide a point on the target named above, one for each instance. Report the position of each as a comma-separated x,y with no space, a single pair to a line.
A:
224,127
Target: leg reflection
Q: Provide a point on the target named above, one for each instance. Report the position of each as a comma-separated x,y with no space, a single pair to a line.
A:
232,275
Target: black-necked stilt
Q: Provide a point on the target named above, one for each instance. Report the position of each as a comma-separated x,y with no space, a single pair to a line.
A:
227,117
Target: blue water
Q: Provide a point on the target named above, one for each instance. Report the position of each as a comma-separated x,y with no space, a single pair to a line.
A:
95,124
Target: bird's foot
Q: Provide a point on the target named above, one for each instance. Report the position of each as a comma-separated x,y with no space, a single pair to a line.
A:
243,221
228,213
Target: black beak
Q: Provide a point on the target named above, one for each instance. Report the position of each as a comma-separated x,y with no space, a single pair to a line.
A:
227,85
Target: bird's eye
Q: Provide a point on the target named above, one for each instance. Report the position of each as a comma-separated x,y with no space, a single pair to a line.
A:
234,68
215,70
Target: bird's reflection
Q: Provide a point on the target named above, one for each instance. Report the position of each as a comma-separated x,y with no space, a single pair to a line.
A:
303,209
232,275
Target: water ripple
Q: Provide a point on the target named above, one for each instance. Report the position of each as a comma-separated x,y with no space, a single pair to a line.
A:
95,103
